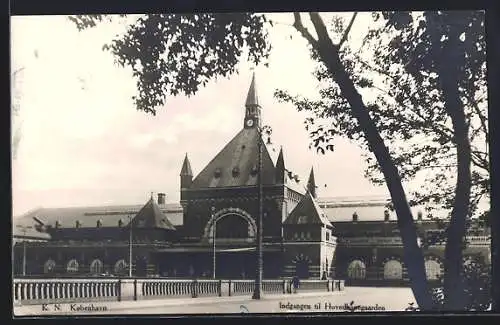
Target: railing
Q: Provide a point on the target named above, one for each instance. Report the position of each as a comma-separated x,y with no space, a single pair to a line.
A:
65,290
42,291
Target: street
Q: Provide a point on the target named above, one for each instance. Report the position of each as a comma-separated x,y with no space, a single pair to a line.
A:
362,298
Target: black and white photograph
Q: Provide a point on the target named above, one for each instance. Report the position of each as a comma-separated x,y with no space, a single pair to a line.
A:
250,163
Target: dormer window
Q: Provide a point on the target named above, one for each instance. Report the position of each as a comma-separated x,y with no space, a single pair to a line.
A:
302,219
78,224
236,171
58,224
355,216
217,173
254,171
386,215
120,223
99,224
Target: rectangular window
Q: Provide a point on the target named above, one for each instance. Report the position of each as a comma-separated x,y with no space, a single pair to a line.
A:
327,236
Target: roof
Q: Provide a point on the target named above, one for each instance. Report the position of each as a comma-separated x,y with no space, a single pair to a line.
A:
368,208
307,211
29,232
88,216
150,216
236,164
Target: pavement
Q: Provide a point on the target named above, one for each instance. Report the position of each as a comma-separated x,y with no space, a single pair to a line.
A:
365,298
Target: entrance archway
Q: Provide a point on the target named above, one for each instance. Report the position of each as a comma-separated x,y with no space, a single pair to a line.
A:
231,223
356,270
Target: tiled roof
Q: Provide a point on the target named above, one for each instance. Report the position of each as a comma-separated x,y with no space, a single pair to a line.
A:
307,211
88,216
150,216
236,164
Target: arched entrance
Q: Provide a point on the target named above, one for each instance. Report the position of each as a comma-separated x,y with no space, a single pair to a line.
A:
393,270
432,268
141,266
356,270
231,223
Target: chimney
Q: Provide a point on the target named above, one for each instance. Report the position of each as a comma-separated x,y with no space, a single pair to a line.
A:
161,198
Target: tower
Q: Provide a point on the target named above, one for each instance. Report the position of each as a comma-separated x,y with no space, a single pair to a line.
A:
252,107
186,173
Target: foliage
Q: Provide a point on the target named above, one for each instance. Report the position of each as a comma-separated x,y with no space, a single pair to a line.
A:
173,54
406,103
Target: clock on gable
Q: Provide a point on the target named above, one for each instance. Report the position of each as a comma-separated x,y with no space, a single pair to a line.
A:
249,122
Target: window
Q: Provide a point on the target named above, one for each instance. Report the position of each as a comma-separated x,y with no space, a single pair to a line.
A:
72,266
393,270
327,236
96,266
308,235
432,269
49,266
120,267
356,270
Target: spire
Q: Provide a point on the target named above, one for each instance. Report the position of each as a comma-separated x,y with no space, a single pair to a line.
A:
186,167
280,168
252,99
252,107
311,184
186,173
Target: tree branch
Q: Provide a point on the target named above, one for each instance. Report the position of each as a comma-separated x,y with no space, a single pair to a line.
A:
320,28
346,33
303,31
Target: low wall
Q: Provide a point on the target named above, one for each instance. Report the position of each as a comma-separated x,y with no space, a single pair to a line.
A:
41,291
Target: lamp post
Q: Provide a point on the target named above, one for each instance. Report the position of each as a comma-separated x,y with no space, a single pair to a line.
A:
24,228
260,258
214,227
130,248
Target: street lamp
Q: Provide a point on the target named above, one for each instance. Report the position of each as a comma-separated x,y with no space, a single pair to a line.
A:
260,259
214,227
130,248
24,229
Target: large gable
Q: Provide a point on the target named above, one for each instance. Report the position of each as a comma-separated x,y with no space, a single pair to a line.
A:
307,211
236,164
150,216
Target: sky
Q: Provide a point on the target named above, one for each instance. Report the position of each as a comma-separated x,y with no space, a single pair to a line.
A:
84,143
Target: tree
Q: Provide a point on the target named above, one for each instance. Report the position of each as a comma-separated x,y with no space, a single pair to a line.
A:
414,112
173,53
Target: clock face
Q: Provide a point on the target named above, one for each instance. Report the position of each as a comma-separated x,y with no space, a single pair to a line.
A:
249,122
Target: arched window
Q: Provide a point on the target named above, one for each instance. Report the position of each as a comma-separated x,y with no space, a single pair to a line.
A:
49,266
96,266
72,266
432,269
393,270
356,270
121,267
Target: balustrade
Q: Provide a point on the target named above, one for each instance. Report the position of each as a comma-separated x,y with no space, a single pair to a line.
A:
38,291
